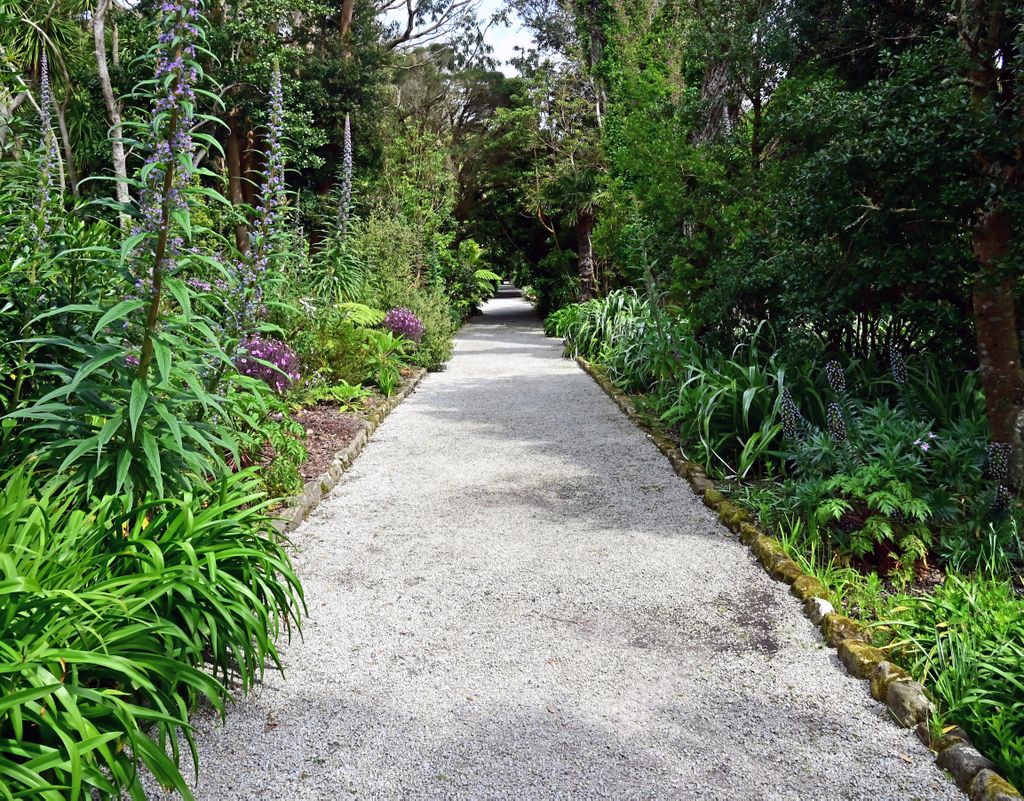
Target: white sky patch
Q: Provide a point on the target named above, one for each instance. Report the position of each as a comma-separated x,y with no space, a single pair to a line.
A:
503,38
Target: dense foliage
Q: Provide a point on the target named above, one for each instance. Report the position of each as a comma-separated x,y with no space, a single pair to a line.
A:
807,233
158,330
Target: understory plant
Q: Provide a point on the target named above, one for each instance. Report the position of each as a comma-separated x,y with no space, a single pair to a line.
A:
118,619
966,642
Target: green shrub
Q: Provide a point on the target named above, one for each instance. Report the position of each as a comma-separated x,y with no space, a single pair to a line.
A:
331,346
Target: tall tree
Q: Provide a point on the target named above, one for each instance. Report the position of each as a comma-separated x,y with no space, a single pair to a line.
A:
991,34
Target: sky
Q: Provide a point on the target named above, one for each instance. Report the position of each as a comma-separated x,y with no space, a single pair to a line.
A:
503,38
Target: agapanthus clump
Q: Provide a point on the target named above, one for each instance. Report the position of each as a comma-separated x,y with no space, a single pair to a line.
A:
345,203
402,322
269,360
253,265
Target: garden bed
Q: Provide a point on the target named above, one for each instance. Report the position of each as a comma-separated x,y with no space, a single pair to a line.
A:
909,702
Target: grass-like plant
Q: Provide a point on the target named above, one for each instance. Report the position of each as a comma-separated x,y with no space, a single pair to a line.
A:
117,620
966,641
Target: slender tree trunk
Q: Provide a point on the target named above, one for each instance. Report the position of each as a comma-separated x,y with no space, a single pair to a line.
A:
112,104
65,138
250,173
347,7
233,153
995,321
585,253
756,125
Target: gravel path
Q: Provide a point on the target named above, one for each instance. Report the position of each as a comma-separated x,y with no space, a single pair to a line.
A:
513,596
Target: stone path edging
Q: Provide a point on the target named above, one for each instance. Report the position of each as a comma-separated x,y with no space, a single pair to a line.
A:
314,491
908,703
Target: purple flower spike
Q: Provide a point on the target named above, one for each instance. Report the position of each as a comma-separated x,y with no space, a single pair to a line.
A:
402,322
345,204
252,266
51,188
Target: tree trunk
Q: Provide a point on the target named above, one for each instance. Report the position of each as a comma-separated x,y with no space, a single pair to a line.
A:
756,124
993,77
585,254
113,106
347,7
65,138
233,153
995,321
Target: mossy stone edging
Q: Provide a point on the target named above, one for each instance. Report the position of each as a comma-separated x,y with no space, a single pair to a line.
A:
314,491
907,700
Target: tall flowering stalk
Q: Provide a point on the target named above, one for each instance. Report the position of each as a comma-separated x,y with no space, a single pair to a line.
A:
253,265
168,170
345,203
51,184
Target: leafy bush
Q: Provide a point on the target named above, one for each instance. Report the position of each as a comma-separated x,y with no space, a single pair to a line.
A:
345,396
467,282
439,326
110,617
332,349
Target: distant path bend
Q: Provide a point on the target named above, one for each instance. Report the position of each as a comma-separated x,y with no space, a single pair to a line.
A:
513,596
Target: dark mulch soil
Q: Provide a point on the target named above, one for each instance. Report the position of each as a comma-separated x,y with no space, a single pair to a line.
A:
328,430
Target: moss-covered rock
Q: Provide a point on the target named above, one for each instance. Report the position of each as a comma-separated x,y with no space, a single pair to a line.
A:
964,763
749,532
817,609
837,628
884,674
701,483
806,587
713,498
768,551
859,657
730,514
990,786
908,703
786,571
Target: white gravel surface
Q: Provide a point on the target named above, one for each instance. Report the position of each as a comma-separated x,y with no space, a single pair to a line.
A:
513,596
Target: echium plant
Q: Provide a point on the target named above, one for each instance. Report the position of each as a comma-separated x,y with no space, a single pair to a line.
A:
130,412
345,201
163,199
51,185
253,265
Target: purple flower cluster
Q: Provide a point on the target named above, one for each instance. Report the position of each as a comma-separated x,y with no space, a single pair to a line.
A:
345,203
836,423
898,364
252,266
925,443
402,322
258,353
791,417
50,173
170,135
836,377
